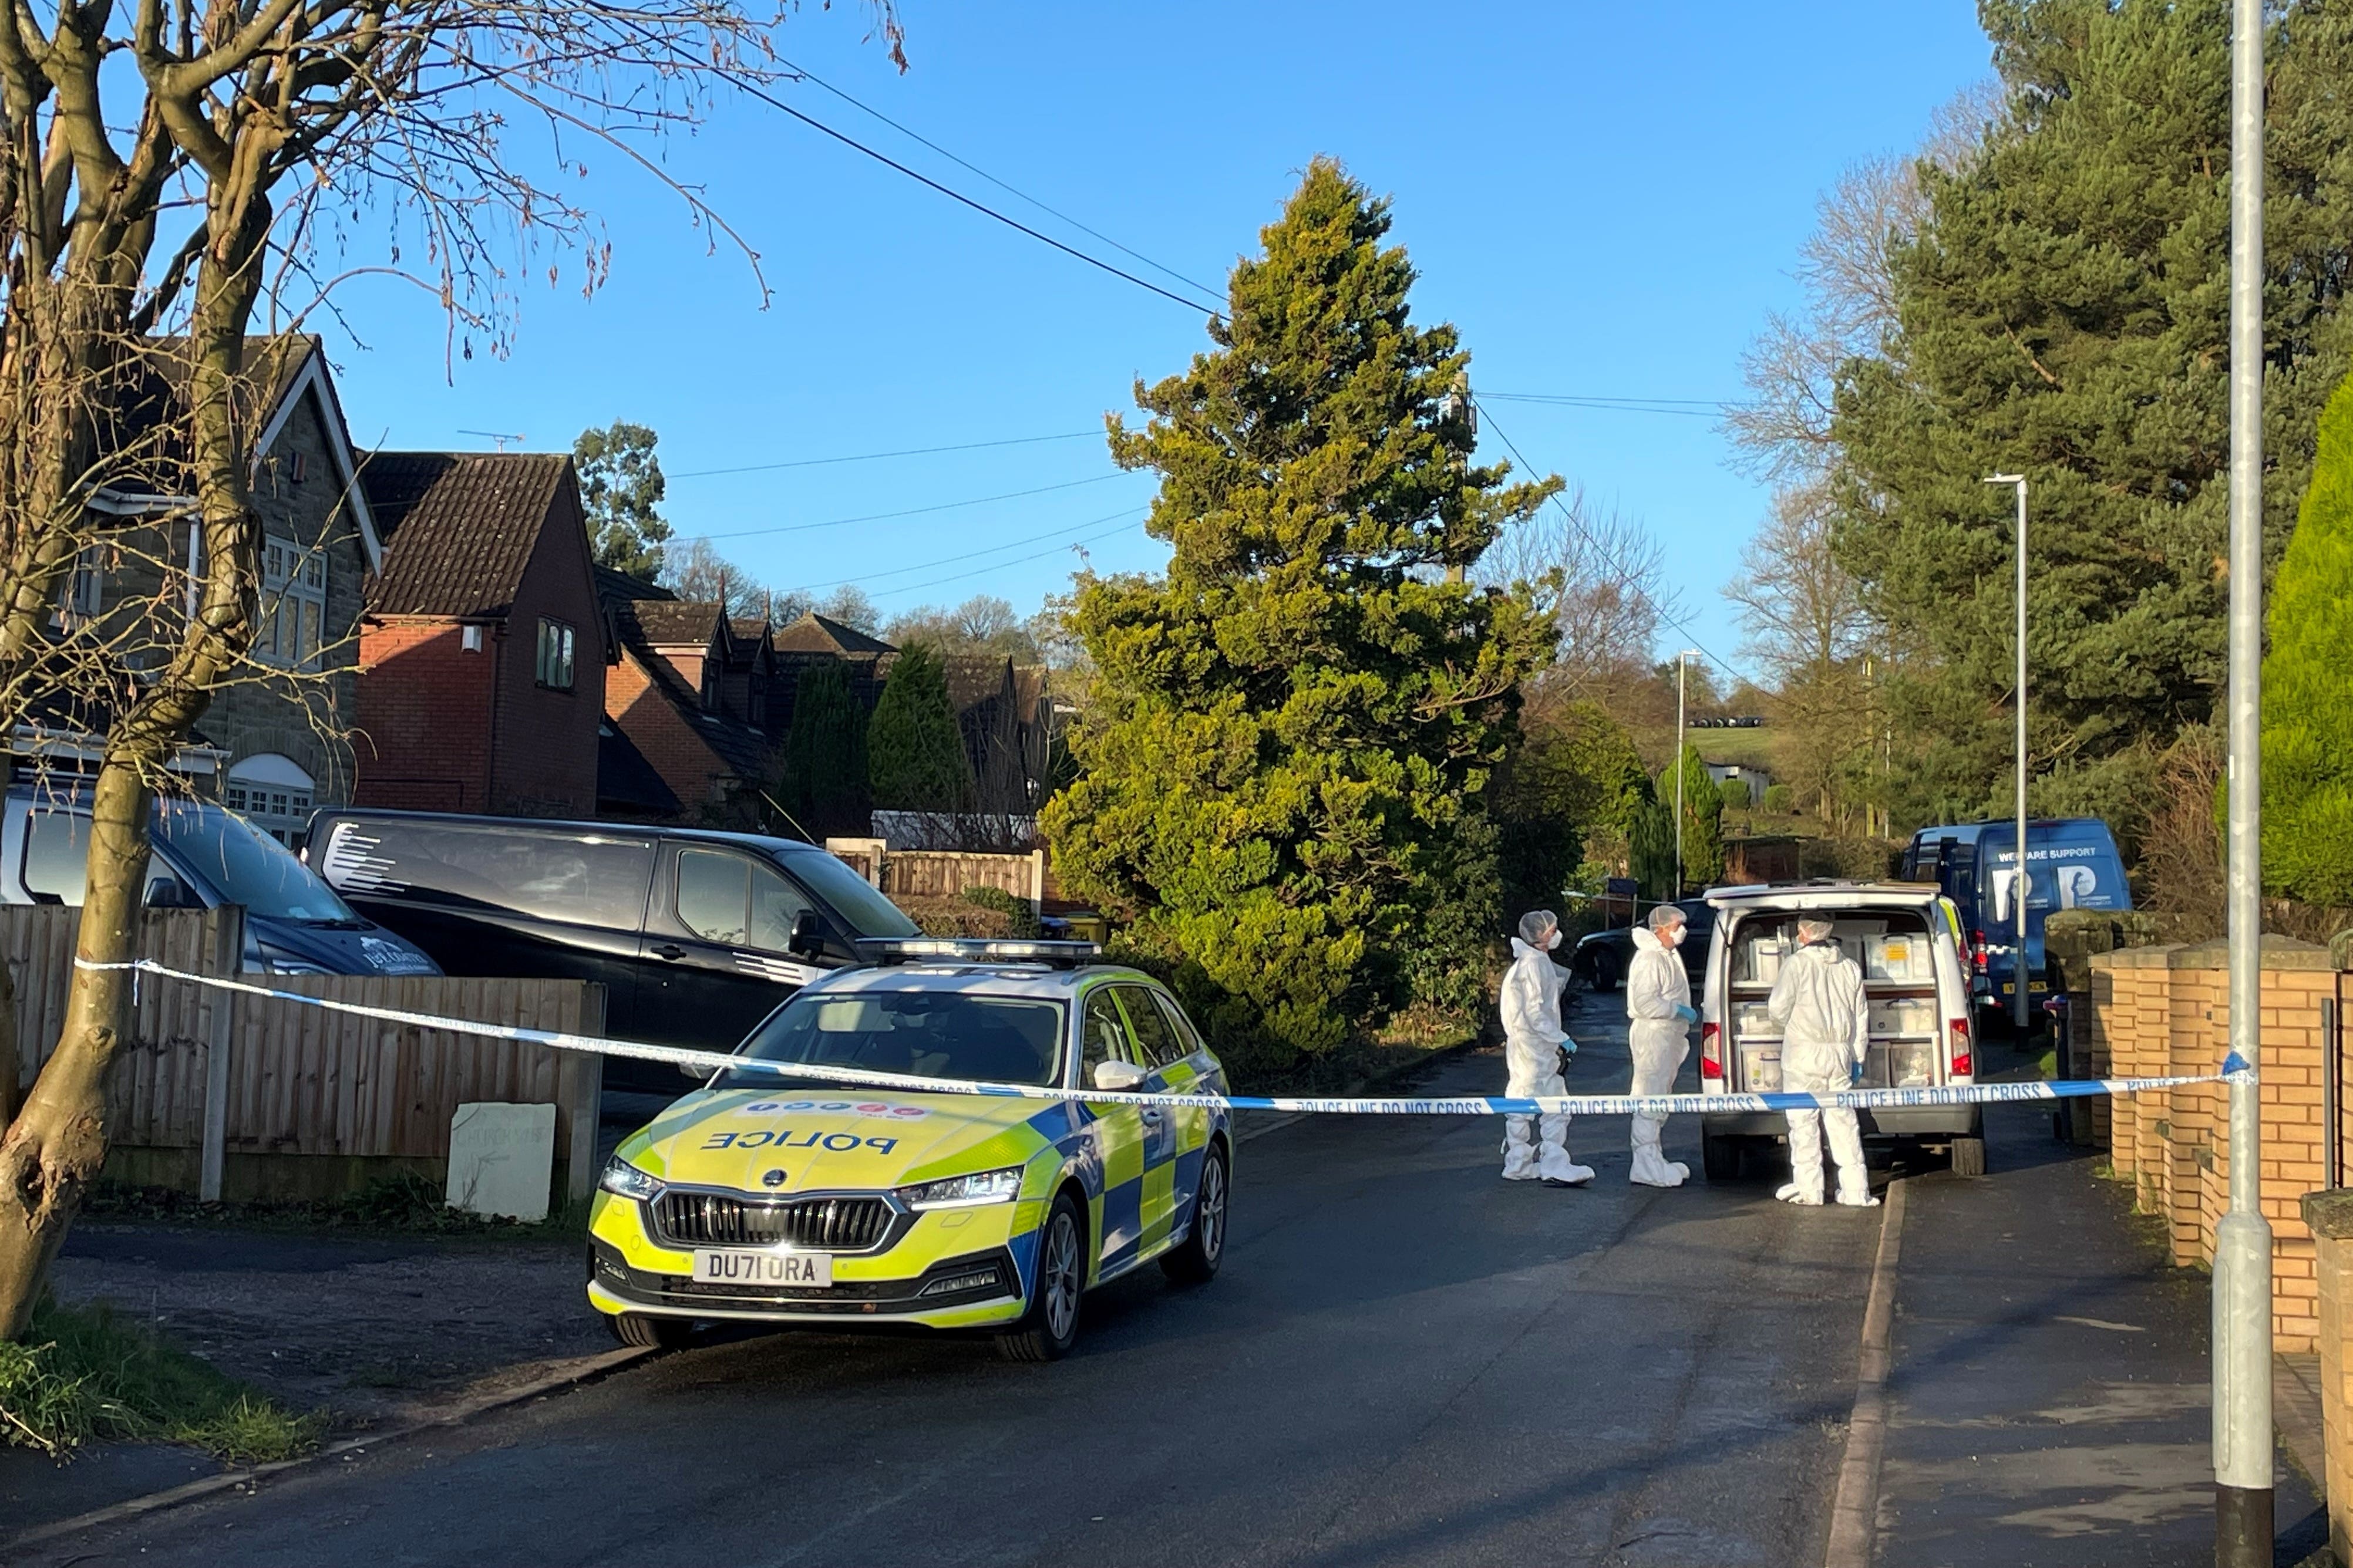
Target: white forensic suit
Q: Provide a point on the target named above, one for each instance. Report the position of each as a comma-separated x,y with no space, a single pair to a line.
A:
1818,1004
1531,1041
1658,1013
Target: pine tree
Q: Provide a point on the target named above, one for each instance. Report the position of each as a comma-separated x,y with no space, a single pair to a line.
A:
914,752
2308,684
1703,818
1651,847
825,752
2060,313
1292,730
621,488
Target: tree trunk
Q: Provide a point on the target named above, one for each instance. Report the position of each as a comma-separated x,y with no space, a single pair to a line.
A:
12,1065
52,1151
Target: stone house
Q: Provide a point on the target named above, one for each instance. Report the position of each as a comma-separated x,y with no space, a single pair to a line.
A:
483,650
271,746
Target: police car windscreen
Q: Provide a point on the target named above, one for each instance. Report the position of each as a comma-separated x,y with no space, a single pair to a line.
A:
928,1034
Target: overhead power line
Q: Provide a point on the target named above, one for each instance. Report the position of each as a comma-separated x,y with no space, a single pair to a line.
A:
773,102
909,512
877,456
1124,511
1010,190
1017,561
1579,523
1688,408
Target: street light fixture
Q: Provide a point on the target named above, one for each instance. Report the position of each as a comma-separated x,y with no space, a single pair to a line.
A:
2023,884
1682,667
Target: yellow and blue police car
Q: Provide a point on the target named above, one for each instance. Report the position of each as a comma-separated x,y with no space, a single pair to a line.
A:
778,1200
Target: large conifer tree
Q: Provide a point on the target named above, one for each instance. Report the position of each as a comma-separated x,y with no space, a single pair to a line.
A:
914,752
2061,312
1292,728
825,752
2308,684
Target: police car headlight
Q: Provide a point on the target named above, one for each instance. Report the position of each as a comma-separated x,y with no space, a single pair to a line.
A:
965,1192
623,1180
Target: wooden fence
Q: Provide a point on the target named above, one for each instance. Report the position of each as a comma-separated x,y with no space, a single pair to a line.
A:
943,873
248,1096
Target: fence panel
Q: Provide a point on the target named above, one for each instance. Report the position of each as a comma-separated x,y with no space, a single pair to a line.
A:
301,1080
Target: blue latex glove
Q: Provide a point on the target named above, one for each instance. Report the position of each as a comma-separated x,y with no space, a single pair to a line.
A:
1854,1079
1688,1015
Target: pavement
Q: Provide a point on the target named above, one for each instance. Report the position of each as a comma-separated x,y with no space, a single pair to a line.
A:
2048,1401
1406,1360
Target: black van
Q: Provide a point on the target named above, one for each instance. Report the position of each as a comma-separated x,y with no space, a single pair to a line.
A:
695,935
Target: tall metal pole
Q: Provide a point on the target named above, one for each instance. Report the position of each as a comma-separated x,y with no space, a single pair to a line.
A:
2023,883
2243,1238
1683,667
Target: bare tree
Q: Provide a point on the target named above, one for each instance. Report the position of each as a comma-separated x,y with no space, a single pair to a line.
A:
1605,576
274,148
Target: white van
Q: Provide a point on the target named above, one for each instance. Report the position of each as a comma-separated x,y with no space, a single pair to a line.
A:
1907,936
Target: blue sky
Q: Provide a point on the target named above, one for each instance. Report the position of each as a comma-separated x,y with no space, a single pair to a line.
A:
1606,199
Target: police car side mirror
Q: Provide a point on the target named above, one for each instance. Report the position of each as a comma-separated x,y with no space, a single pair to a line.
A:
808,940
1117,1075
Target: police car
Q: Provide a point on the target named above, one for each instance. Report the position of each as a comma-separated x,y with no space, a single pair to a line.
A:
771,1199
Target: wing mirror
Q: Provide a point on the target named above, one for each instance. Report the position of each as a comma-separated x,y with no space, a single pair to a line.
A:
808,940
1118,1076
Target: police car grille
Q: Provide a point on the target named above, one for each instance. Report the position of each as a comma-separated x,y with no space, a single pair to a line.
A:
826,1225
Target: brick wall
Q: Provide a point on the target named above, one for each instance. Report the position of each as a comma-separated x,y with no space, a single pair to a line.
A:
544,760
2165,1011
424,717
656,730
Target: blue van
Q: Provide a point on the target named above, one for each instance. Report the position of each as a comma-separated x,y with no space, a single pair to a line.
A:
2071,864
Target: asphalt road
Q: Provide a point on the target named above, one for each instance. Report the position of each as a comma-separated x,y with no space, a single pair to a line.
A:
1406,1360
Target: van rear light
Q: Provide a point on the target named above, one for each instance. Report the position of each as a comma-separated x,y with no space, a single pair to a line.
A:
1711,1050
1957,1038
1978,952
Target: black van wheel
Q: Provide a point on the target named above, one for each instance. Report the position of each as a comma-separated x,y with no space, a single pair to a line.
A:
1970,1152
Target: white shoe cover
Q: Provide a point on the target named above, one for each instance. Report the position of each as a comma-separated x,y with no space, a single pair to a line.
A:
1650,1171
1791,1194
1864,1202
1570,1176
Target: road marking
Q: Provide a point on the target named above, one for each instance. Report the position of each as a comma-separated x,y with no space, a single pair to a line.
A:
2101,1324
1854,1511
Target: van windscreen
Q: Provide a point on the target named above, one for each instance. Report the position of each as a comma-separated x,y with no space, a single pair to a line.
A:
245,866
850,894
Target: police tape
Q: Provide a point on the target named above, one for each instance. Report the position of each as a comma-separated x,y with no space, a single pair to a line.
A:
2233,1071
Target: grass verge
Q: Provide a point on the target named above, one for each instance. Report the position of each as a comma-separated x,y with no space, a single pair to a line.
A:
405,1204
86,1373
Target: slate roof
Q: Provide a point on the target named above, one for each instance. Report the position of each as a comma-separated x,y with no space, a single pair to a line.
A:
814,633
673,623
459,527
617,587
974,679
158,380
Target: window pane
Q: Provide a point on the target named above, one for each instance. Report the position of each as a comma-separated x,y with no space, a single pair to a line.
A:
572,877
56,857
314,571
310,647
1187,1037
1106,1038
1157,1046
776,904
713,894
997,1039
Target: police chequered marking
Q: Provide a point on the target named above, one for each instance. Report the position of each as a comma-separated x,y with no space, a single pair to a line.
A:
2233,1071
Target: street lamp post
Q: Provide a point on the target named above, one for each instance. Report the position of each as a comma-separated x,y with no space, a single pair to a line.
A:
2023,883
2243,1238
1682,667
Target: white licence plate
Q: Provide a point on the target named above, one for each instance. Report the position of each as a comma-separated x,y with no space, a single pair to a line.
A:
712,1267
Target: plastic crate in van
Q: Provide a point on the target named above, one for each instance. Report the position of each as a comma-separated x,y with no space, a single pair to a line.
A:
1898,959
1753,1020
1902,1015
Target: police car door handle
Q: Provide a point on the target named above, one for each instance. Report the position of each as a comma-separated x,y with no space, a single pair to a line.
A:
1152,1113
672,951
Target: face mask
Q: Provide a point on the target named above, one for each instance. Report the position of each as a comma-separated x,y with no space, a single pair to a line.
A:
1553,940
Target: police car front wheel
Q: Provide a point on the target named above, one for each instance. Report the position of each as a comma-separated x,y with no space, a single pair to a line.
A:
639,1328
1051,1327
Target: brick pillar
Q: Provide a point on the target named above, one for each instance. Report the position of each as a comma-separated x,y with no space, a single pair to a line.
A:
2330,1217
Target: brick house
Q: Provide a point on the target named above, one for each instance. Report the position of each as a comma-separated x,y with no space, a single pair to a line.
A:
270,748
686,685
483,648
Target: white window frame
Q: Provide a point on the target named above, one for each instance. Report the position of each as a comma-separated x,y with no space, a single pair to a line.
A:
292,632
274,801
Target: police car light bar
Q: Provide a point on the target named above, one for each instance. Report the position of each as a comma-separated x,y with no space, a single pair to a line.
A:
978,950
